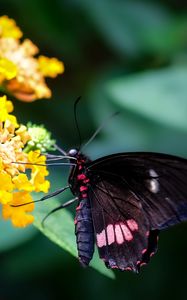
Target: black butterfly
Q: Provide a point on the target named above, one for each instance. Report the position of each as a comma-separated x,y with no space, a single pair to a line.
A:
124,200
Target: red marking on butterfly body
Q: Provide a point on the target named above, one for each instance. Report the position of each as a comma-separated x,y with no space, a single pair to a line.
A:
83,188
81,177
79,207
86,180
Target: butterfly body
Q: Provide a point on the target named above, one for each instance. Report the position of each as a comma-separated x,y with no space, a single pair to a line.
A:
84,231
79,184
124,200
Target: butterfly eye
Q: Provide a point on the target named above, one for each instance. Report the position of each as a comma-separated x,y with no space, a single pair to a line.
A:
73,152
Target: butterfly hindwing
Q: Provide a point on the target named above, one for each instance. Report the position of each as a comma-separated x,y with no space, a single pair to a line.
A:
121,235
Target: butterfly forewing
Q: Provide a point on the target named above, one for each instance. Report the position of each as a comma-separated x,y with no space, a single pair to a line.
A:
158,181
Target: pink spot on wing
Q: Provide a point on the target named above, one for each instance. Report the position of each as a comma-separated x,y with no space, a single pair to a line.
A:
114,267
119,234
144,250
81,177
132,225
127,234
110,234
80,167
101,239
83,188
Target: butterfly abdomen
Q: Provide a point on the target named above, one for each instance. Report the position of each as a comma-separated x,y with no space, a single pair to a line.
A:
84,231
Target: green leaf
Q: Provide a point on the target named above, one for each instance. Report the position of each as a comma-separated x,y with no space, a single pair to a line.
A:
158,95
97,264
13,237
59,228
137,26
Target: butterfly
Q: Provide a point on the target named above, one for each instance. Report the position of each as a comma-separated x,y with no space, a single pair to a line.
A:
124,200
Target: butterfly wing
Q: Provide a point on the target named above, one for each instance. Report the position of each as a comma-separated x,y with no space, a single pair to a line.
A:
133,196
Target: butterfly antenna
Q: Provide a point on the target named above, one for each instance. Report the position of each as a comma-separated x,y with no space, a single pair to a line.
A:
60,150
76,121
99,129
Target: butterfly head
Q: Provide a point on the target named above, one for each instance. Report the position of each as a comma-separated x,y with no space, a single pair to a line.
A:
76,154
73,152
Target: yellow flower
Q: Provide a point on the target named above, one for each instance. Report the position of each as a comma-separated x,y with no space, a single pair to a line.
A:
8,28
38,172
5,181
15,184
6,107
8,70
21,73
11,151
22,182
50,66
19,215
23,133
5,197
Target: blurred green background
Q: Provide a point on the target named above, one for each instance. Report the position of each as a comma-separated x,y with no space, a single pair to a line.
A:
126,56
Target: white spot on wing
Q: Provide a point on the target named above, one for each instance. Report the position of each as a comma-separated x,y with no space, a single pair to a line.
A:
153,173
153,184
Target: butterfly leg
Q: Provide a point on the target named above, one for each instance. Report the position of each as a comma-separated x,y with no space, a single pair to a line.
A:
68,203
50,195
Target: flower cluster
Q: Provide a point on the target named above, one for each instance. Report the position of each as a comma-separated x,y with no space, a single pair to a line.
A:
40,139
15,184
22,166
21,72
